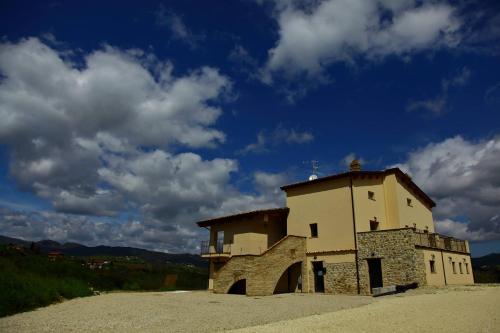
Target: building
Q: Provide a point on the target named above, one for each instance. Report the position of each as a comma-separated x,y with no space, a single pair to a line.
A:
345,233
55,255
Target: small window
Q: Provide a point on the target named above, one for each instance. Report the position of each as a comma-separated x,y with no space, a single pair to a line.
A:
460,268
454,268
433,266
408,202
374,225
467,268
371,195
314,229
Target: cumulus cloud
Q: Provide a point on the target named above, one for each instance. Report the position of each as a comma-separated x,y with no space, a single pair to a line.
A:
266,140
462,176
315,34
109,135
437,105
92,231
61,120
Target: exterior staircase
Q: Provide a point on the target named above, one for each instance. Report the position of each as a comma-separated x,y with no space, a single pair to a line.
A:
262,272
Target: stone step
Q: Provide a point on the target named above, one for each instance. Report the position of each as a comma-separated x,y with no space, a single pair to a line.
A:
381,291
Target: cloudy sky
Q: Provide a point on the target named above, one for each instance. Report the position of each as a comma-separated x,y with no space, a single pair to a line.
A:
124,123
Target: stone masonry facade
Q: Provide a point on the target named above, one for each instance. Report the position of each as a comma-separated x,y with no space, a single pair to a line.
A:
262,272
340,278
401,262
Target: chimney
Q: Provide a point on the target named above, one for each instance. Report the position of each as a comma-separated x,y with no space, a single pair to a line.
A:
355,166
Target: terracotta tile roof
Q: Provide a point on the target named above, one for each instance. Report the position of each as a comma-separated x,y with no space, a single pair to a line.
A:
400,174
205,223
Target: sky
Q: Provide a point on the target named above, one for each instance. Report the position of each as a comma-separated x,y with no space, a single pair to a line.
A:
125,122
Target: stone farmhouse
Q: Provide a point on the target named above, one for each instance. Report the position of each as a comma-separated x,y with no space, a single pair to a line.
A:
354,233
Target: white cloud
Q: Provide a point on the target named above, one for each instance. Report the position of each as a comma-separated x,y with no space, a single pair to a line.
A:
462,231
110,136
62,121
266,140
315,34
462,176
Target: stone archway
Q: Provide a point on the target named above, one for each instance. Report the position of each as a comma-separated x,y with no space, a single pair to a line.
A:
290,280
239,287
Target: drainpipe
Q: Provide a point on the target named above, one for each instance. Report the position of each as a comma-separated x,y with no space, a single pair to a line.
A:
209,259
355,238
444,272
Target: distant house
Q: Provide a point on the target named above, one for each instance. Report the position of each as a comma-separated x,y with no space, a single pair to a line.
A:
353,232
97,263
55,255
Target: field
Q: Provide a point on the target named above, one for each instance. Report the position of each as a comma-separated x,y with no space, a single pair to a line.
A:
452,309
29,280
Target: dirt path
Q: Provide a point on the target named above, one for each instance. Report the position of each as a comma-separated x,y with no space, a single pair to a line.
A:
472,309
173,312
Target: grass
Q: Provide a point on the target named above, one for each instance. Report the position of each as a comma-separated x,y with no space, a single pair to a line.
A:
31,281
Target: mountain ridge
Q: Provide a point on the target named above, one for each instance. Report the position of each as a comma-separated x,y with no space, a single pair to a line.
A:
76,249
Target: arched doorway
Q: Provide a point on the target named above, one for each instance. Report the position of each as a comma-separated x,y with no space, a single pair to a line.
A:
291,280
239,287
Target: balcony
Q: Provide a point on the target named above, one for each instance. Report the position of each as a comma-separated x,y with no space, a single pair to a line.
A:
219,249
441,242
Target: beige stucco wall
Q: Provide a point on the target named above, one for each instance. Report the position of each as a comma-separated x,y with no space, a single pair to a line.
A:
329,205
437,278
250,236
390,205
391,201
367,209
457,278
418,213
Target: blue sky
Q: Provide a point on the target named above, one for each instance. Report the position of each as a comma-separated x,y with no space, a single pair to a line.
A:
122,123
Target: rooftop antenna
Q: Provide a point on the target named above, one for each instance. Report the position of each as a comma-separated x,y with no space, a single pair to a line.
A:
314,167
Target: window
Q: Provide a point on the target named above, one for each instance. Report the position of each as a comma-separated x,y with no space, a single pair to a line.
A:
433,266
314,229
371,195
408,202
373,225
453,266
467,268
460,268
219,241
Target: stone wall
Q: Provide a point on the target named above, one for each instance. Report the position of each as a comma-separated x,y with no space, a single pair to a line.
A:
401,263
262,272
340,278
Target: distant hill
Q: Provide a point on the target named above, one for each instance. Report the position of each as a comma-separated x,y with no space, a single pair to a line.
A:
487,268
75,249
492,259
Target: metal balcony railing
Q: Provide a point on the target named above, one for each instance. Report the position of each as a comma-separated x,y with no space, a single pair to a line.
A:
438,241
215,248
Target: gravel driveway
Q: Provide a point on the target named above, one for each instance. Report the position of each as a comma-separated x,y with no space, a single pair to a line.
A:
453,309
196,311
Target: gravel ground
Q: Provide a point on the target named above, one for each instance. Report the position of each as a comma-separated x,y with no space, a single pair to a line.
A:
459,309
174,312
453,309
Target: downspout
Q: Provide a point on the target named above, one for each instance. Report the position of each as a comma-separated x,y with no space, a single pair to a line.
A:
444,272
355,238
209,259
